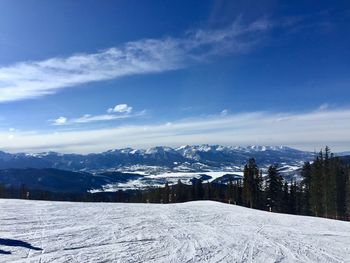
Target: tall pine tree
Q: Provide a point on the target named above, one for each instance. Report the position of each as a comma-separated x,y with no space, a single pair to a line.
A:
274,189
251,184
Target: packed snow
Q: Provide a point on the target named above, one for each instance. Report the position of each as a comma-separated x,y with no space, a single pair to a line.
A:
203,231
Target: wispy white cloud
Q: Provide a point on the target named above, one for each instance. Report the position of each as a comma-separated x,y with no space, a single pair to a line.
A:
310,130
324,106
60,121
30,79
224,112
104,117
120,111
121,108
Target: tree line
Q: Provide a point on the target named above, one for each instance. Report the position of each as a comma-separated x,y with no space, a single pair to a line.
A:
323,191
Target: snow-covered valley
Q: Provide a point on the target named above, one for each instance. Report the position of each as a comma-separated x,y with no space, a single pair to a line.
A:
202,231
123,169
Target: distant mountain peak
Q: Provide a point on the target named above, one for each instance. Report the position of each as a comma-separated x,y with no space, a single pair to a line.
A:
192,157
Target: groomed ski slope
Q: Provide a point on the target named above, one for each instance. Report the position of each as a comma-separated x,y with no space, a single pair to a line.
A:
37,231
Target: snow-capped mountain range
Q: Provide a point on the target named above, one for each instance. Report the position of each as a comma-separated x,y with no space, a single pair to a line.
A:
129,168
195,158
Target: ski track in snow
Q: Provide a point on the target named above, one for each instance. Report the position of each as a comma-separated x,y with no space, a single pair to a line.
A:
202,231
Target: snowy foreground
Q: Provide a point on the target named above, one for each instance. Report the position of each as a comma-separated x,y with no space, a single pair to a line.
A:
35,231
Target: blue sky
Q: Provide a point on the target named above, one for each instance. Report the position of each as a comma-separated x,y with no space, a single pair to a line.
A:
88,76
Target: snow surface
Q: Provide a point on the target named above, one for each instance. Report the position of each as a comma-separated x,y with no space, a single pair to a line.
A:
205,231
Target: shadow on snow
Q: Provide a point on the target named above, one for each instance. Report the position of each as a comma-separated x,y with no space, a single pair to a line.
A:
15,243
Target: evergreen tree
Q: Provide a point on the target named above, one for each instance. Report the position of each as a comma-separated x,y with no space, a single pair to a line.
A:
198,189
285,199
166,193
239,192
316,189
119,196
274,190
179,193
2,191
23,192
298,197
251,184
258,190
347,191
293,198
230,193
329,184
173,195
306,174
337,188
207,191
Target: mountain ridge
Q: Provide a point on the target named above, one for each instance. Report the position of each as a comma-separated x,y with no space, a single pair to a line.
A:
129,168
204,155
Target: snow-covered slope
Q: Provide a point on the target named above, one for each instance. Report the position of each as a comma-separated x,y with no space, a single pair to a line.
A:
35,231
